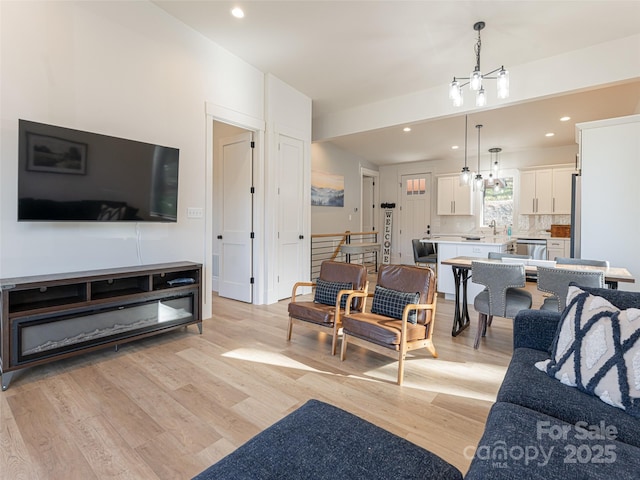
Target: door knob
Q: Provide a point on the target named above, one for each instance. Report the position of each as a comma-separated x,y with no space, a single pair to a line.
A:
219,237
301,237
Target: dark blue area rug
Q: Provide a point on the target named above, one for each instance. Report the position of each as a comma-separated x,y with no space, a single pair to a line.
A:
320,441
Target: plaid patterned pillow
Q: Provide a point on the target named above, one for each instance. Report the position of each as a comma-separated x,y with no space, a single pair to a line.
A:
391,303
327,292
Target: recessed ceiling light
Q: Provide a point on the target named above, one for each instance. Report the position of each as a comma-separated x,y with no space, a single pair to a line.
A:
565,119
237,12
454,147
550,134
406,129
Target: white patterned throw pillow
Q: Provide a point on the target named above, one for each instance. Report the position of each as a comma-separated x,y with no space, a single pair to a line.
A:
597,350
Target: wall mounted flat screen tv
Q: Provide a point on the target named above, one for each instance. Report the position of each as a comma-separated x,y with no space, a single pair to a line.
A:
71,175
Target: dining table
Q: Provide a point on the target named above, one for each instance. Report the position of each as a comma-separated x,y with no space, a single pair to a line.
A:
461,267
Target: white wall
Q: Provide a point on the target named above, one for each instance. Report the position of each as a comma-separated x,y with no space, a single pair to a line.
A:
287,113
328,158
125,69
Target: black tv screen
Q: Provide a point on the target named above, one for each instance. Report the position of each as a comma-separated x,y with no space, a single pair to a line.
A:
71,175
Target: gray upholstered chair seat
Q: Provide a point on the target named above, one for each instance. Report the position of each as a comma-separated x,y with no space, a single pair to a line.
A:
551,304
433,258
503,295
516,299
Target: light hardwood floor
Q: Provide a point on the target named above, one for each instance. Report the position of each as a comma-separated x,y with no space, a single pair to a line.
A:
169,406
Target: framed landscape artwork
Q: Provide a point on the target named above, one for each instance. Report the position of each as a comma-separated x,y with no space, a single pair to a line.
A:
55,155
327,189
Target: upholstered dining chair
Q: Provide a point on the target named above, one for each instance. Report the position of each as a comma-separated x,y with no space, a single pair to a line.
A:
581,261
424,253
515,256
556,281
335,282
403,312
588,262
501,255
502,296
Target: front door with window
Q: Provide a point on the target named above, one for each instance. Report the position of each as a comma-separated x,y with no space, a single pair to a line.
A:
415,212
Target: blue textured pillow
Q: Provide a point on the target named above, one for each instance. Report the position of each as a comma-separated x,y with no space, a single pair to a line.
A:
327,292
391,303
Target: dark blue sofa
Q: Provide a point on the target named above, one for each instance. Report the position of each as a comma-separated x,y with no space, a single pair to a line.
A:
542,429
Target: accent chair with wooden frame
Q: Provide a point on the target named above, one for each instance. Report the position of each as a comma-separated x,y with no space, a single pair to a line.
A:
336,281
402,314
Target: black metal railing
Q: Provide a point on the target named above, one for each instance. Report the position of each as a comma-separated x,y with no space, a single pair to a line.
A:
328,246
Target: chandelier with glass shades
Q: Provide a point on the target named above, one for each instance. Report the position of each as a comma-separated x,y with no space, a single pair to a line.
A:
480,183
476,79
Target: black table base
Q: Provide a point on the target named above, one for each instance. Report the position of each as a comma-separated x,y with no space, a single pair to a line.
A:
461,313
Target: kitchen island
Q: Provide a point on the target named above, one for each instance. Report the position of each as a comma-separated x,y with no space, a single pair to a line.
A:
450,246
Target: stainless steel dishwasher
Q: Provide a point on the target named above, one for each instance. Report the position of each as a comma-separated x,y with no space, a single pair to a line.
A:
535,247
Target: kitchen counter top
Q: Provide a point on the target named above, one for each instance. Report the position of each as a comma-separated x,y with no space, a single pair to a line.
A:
470,239
451,246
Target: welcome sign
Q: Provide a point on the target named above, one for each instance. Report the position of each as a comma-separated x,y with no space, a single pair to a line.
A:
386,237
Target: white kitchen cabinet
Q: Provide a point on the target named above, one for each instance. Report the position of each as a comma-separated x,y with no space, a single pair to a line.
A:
545,191
536,192
453,198
562,191
558,247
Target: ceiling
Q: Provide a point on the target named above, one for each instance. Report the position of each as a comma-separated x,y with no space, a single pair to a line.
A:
344,54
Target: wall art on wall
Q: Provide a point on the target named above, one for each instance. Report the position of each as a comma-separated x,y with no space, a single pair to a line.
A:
327,189
55,155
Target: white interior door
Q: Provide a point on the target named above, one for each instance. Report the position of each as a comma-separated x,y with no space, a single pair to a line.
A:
237,218
369,201
290,222
415,212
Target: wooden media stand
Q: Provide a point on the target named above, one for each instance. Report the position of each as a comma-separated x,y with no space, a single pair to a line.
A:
49,317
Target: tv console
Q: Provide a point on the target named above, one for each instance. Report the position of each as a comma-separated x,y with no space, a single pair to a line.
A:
48,317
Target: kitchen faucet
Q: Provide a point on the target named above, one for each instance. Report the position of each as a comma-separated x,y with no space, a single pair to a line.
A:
493,224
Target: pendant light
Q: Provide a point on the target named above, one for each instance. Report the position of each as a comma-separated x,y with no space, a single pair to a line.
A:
465,174
495,166
491,179
479,181
494,178
476,78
